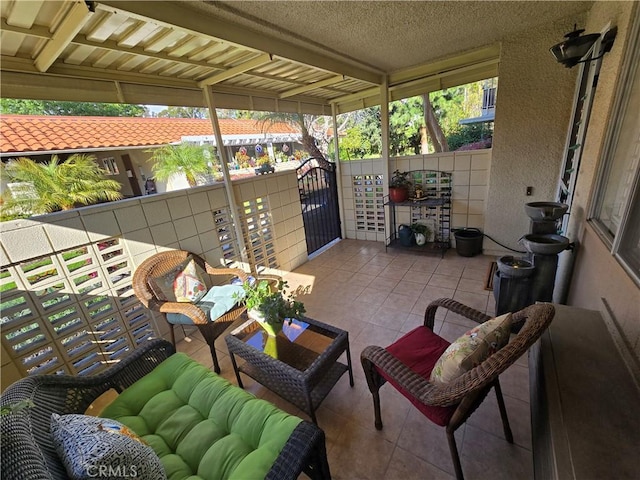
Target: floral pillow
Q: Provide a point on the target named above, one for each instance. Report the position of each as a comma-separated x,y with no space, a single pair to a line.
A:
471,349
184,283
92,447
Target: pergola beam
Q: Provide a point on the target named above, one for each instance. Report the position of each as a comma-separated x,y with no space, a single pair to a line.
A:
176,15
238,69
312,86
71,24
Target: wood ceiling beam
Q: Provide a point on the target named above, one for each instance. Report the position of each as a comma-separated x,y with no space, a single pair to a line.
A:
312,86
238,69
71,24
179,15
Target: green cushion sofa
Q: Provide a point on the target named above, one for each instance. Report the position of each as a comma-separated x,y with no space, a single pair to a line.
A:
200,425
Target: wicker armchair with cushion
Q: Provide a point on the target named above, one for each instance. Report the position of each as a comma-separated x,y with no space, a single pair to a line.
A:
447,382
162,268
193,424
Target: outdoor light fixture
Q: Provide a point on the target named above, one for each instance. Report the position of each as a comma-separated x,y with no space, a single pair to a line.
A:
570,52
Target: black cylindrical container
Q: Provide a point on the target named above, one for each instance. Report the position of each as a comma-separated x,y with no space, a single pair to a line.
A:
468,242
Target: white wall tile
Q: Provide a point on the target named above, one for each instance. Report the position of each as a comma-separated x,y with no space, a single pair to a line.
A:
156,212
199,202
164,234
179,207
460,178
479,177
191,244
185,227
131,218
477,192
139,242
66,233
445,163
204,222
462,162
19,249
101,225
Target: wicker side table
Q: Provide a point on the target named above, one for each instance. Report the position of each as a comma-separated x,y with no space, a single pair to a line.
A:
301,364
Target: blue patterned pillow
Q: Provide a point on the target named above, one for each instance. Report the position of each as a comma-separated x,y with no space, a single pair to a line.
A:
92,447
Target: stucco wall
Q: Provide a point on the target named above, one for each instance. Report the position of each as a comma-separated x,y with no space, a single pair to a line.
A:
532,117
597,275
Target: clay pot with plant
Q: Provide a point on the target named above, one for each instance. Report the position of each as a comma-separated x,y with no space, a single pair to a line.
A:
399,186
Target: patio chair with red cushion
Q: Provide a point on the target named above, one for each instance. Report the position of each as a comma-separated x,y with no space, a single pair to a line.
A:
447,382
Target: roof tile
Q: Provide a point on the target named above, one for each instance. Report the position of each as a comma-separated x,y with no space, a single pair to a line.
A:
24,133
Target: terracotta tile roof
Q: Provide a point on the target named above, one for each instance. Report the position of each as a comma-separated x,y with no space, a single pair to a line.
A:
31,133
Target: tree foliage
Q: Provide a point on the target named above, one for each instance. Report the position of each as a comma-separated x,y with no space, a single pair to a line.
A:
184,112
81,109
58,185
190,160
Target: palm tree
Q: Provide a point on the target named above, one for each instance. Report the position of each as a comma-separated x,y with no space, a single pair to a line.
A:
58,185
191,160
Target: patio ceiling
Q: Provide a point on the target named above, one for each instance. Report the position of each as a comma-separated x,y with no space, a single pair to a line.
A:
276,56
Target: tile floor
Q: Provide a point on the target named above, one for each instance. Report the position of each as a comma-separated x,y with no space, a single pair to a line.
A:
377,296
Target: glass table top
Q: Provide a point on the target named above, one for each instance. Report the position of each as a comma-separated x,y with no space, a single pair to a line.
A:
298,344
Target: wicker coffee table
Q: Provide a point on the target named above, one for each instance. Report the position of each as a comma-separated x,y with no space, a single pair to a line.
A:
301,364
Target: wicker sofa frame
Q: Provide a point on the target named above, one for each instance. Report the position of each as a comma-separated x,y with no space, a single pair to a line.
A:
161,263
469,390
27,446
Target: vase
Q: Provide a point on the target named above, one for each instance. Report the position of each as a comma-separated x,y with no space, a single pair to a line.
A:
398,194
272,328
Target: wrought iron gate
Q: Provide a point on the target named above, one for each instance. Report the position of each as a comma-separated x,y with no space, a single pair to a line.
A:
319,198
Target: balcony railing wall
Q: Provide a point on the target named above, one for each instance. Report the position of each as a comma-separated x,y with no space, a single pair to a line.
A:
364,188
67,304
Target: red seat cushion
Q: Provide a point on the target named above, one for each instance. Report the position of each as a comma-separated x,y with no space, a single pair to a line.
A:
419,350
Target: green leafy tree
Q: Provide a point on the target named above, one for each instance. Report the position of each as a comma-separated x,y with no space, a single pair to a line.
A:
58,185
80,109
184,112
191,160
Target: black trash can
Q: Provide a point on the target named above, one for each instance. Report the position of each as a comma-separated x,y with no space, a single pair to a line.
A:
468,242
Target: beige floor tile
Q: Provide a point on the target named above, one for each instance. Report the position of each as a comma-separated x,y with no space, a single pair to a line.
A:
444,281
402,303
395,273
372,269
473,300
470,273
360,453
485,456
428,441
417,276
391,318
408,287
372,296
406,466
474,286
385,284
453,270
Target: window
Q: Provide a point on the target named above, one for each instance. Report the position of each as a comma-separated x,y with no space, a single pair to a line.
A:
110,165
616,208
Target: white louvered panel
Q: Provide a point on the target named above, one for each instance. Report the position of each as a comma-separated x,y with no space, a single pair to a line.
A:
125,59
166,38
76,54
108,58
211,52
89,364
119,273
24,16
137,33
230,55
155,65
45,360
131,62
172,69
11,43
138,322
194,72
39,271
105,25
190,45
201,51
112,337
258,233
226,234
53,297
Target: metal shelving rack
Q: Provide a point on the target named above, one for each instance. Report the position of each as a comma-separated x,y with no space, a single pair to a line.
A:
433,209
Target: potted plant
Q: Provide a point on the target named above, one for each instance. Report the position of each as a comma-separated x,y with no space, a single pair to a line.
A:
399,186
264,165
421,232
271,306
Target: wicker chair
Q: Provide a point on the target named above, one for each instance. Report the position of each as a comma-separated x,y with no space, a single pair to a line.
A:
163,262
455,401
